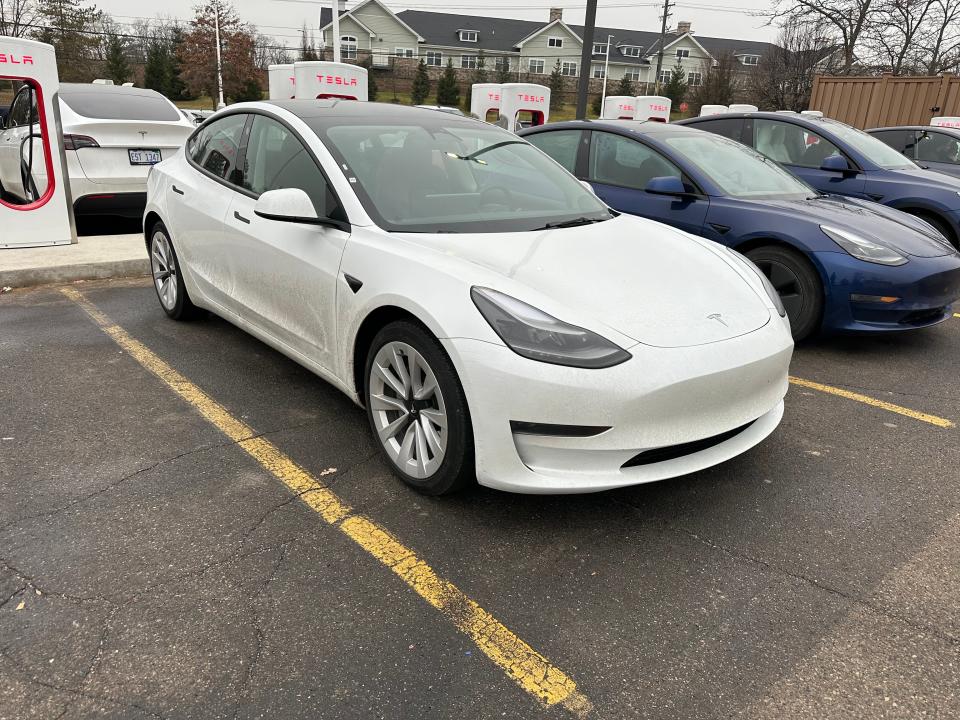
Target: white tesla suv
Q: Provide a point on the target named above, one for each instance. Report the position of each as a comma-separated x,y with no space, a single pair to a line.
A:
493,316
111,135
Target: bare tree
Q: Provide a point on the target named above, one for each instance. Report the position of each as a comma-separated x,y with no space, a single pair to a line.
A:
784,78
16,17
890,40
846,19
719,85
941,42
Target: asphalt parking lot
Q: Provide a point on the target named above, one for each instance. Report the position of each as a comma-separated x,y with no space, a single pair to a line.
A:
193,526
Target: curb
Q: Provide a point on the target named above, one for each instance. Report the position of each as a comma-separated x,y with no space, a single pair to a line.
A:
27,277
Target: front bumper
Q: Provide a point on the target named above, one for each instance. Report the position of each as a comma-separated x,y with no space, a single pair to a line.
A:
927,288
662,397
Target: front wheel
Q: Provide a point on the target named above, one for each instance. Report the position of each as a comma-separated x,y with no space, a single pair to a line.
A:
417,410
167,278
796,282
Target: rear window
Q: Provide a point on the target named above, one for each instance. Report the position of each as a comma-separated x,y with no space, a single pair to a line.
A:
119,105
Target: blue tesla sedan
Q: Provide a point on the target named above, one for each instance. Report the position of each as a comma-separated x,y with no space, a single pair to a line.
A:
838,159
930,146
839,264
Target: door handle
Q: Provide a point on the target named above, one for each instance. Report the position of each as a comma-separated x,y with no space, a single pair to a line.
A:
240,217
177,190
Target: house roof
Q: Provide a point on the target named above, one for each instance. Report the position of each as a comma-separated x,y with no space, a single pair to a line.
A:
504,35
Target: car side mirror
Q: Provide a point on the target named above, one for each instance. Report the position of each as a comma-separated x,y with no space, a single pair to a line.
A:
666,185
287,205
836,163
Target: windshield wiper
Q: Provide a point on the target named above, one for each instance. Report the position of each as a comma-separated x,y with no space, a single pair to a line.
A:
574,222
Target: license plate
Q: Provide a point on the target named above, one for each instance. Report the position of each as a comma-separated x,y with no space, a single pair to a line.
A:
144,157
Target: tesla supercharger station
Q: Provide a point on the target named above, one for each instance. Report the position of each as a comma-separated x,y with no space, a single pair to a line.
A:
319,79
37,150
619,107
281,82
812,113
524,97
743,107
943,121
485,97
653,107
713,110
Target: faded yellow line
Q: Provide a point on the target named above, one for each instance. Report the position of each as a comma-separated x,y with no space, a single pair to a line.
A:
528,668
874,402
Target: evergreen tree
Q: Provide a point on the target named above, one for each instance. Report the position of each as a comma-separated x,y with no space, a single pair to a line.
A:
556,87
420,90
372,88
307,50
448,90
676,87
177,89
66,24
626,87
503,71
117,68
480,74
156,71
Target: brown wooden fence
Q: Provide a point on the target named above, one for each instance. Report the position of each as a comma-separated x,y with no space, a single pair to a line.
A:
867,102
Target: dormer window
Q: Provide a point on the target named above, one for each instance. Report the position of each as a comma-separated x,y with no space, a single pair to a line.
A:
555,42
750,59
630,50
468,35
599,48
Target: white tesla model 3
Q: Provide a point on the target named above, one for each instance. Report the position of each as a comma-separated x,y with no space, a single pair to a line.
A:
492,315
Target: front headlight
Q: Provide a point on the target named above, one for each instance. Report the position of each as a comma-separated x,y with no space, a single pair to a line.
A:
862,248
534,334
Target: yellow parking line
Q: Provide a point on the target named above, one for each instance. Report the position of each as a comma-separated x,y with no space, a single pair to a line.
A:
956,315
882,404
528,668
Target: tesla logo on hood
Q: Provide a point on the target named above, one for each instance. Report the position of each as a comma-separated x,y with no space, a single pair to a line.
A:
718,317
143,133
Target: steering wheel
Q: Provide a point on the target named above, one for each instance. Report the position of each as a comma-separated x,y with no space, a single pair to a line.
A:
497,195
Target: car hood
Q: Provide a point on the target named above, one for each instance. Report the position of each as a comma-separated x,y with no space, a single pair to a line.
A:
649,282
891,227
932,181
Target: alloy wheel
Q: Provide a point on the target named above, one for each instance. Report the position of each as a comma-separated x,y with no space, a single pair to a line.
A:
164,268
408,410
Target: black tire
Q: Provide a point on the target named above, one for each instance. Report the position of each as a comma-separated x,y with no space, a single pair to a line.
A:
798,285
938,223
455,467
180,307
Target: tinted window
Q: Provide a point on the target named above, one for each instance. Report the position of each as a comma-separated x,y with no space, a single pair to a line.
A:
215,147
106,104
561,145
868,146
20,112
791,144
277,159
728,127
619,160
938,147
900,140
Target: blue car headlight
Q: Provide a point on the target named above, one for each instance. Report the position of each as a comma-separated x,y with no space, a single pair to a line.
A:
862,248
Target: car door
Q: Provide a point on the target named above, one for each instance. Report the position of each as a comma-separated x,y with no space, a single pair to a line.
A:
11,140
286,272
802,151
200,191
619,169
938,151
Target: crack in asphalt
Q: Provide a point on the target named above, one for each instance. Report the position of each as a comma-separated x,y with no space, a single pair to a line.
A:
260,630
94,662
15,593
868,605
26,675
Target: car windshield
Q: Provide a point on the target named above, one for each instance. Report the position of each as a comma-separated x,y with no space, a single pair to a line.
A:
445,174
736,169
876,151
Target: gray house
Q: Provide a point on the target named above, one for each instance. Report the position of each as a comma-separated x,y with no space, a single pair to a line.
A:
527,48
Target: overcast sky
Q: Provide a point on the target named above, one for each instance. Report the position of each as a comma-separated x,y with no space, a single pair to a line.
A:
283,19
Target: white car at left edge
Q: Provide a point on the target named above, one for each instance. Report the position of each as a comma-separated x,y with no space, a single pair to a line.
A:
498,322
